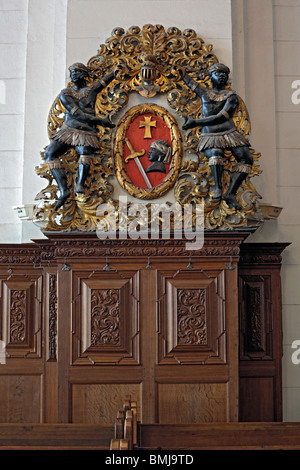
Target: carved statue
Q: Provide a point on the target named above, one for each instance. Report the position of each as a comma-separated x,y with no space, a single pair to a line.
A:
218,132
159,154
79,129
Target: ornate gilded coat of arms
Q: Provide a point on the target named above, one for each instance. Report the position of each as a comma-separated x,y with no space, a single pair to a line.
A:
151,117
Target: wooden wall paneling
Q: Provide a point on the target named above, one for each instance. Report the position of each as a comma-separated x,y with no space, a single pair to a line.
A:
260,350
161,325
191,317
104,339
21,377
197,328
193,402
105,316
22,315
262,403
21,397
98,403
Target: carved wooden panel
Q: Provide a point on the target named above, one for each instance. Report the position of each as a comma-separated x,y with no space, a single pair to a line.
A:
256,327
106,318
260,374
22,316
51,316
191,317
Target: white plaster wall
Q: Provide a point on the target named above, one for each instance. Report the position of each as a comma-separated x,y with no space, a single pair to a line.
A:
32,69
45,77
287,70
13,44
90,22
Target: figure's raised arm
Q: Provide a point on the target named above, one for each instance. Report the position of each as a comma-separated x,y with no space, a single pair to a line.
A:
193,85
103,82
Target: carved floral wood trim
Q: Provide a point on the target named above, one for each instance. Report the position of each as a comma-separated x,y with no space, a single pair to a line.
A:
191,316
52,317
47,252
18,331
256,326
105,317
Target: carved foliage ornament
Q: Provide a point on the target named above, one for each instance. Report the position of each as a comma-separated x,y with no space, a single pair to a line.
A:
148,62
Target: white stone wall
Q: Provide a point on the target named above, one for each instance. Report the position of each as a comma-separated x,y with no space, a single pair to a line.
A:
90,22
287,70
258,39
13,44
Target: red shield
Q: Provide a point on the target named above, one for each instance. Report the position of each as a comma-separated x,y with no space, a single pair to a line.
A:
142,127
141,133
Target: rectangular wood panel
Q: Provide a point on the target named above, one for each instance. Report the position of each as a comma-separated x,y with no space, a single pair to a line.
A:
21,399
194,403
21,316
106,318
261,404
260,325
191,315
99,403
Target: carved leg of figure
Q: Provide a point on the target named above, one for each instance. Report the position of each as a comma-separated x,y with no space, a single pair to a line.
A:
217,172
237,177
216,163
83,171
60,177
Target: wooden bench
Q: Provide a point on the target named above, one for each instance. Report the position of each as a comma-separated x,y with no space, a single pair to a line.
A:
55,436
221,436
127,434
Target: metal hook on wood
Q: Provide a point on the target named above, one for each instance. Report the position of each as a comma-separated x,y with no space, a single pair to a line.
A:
106,267
66,267
190,265
9,270
230,266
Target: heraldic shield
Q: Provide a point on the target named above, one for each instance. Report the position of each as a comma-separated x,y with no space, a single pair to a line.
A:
148,151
